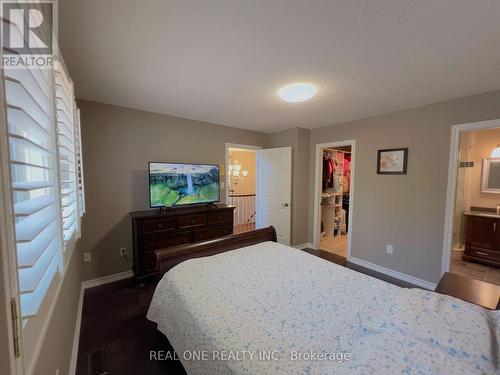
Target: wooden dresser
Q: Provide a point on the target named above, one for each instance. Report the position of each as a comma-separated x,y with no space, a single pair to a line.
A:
482,239
153,230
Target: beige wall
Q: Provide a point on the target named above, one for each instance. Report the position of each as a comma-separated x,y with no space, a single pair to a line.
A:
298,139
481,144
117,145
406,211
248,162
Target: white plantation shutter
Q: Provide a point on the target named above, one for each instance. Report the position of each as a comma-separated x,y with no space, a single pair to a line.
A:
67,154
33,165
79,162
46,178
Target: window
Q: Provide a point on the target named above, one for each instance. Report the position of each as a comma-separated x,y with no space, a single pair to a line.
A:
46,176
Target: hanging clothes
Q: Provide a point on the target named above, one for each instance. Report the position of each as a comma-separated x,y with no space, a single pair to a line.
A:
332,166
328,171
347,172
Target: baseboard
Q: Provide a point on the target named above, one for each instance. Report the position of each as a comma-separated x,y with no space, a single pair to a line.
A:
398,275
304,246
76,338
107,279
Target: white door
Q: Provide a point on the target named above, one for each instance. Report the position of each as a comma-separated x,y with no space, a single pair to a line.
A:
274,190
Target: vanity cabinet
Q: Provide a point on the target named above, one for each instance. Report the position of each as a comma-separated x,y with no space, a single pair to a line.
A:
482,240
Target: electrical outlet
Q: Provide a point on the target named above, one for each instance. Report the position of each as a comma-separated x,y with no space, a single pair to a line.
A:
123,251
389,249
87,257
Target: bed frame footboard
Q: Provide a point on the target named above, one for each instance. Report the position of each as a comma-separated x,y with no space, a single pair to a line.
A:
170,257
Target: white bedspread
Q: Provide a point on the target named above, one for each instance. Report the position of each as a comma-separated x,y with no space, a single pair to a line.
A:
270,298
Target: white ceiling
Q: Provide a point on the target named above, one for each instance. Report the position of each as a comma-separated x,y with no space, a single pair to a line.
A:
222,61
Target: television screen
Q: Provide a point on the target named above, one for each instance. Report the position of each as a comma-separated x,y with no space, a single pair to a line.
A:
174,184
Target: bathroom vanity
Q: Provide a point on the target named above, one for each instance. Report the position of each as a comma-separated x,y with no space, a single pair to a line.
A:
482,238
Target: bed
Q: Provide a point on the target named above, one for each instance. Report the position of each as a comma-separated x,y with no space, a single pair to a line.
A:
268,308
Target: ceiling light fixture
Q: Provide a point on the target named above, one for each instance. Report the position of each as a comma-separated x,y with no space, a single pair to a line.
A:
297,92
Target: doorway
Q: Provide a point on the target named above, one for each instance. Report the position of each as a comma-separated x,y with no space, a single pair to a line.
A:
241,183
334,189
472,242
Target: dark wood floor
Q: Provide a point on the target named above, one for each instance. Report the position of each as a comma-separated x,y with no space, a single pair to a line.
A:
114,321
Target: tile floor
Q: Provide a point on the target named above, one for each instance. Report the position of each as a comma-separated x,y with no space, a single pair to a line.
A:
474,270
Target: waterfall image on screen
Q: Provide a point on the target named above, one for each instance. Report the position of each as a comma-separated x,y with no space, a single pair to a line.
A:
172,184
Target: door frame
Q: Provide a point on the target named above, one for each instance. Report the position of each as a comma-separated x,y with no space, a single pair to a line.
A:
226,164
451,190
317,190
8,258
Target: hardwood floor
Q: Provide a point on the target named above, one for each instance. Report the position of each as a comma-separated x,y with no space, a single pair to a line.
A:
336,245
114,321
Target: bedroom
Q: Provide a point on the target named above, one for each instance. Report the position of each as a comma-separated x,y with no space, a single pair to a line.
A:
196,78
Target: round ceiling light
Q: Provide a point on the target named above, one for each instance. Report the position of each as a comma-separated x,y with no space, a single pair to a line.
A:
297,92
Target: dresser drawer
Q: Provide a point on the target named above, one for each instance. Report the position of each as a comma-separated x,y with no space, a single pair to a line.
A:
483,253
225,217
165,224
208,234
191,221
160,240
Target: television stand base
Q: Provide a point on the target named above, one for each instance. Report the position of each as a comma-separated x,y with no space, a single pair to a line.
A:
211,205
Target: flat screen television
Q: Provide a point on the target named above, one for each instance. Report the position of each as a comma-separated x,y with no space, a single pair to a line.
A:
176,184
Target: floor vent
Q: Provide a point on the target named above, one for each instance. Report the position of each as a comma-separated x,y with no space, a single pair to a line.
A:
97,363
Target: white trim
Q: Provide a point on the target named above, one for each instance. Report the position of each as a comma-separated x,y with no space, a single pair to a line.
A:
76,338
226,162
451,190
317,191
107,279
303,246
397,275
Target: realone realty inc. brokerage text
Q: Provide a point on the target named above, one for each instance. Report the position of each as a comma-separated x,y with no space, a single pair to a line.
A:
248,355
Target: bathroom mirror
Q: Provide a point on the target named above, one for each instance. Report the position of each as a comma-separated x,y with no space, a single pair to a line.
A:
491,176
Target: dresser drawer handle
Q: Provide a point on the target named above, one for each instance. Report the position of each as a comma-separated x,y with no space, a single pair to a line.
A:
193,221
220,217
160,226
481,253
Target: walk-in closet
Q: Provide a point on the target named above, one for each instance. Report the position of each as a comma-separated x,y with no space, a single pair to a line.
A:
335,199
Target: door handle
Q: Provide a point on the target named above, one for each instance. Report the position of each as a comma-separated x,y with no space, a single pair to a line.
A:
284,204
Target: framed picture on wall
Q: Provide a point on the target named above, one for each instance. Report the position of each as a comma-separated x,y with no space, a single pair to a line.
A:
392,161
